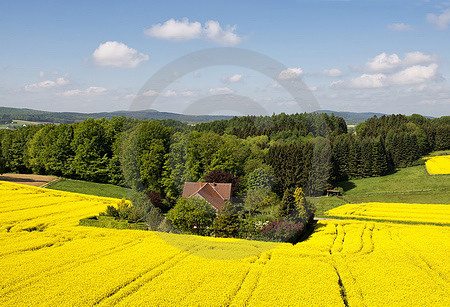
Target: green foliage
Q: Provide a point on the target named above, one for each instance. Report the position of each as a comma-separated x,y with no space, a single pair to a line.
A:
144,150
13,145
228,223
50,150
2,162
321,167
92,145
111,211
276,126
192,215
294,206
124,211
291,163
287,205
260,178
110,222
255,200
175,173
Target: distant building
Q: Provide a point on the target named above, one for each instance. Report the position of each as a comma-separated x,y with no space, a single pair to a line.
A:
214,193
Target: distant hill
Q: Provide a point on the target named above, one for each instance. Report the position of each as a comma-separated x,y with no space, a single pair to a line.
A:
8,114
352,118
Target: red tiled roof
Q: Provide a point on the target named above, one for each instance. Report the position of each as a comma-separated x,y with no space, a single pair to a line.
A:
214,193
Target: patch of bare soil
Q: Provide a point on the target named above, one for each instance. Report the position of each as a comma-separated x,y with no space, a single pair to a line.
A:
29,179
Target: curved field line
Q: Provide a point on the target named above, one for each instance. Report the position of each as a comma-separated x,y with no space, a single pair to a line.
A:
256,269
132,285
42,206
36,247
421,263
343,269
368,246
55,270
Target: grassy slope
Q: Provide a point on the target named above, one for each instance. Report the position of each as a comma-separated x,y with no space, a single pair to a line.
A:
91,188
406,185
439,153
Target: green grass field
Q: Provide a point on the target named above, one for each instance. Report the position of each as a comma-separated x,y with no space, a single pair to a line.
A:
406,185
91,188
439,153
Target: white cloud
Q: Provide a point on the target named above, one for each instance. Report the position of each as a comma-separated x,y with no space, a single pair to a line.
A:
62,81
187,93
388,63
41,74
115,54
363,81
185,30
383,62
214,32
172,93
149,93
176,30
46,84
90,91
416,74
333,72
220,91
130,96
169,93
290,73
441,21
414,58
400,27
234,78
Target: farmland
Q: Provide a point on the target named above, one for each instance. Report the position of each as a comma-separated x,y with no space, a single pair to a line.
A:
439,165
347,262
406,185
90,188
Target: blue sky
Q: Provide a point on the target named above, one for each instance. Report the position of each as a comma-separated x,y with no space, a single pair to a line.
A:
362,56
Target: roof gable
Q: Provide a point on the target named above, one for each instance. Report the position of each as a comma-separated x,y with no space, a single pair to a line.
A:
214,193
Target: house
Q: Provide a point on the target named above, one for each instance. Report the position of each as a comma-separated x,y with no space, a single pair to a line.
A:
214,193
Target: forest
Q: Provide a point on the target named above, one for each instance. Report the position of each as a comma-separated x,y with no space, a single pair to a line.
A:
271,161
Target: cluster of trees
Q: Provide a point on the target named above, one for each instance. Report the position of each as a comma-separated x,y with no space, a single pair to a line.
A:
262,216
407,138
272,163
279,127
312,151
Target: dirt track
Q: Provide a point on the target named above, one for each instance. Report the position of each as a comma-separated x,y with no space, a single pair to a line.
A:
29,179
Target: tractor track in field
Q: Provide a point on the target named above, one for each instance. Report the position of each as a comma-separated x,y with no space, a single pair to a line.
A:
132,285
42,206
340,266
253,269
14,286
421,263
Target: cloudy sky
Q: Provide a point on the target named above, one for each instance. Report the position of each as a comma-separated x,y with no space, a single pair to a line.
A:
361,56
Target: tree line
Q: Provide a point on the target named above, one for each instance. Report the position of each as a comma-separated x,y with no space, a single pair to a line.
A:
312,151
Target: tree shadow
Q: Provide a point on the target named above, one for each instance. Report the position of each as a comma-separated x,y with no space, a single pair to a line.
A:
347,185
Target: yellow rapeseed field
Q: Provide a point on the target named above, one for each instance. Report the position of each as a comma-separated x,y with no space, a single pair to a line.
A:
439,165
353,263
420,213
